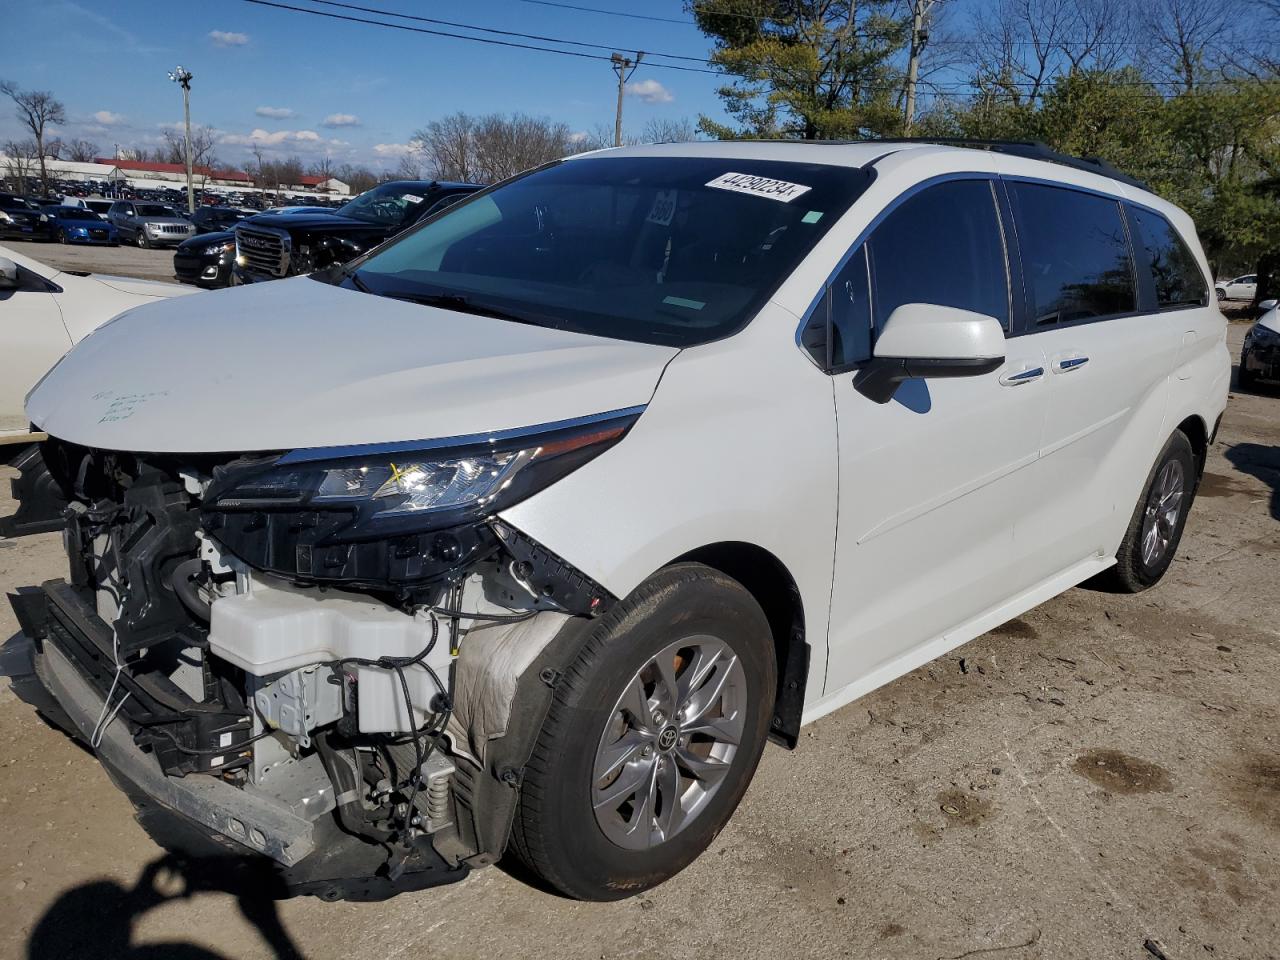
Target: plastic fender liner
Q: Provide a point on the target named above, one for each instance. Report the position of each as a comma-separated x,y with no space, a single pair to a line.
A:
486,792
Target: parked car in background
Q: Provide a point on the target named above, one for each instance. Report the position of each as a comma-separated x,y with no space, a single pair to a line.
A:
100,207
149,224
312,238
218,219
43,311
23,220
1260,355
81,225
525,531
1241,288
206,259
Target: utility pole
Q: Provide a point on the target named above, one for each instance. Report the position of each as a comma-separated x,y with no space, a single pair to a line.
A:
919,37
183,77
624,67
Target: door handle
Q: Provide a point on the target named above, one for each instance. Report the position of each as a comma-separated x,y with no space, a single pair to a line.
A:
1067,364
1028,375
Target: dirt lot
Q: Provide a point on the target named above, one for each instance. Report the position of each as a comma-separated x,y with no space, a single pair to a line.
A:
1100,773
123,261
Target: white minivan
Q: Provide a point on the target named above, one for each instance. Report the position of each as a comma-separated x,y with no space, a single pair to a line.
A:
526,530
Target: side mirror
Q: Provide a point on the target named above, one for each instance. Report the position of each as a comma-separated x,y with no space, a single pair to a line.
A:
8,274
1267,305
923,340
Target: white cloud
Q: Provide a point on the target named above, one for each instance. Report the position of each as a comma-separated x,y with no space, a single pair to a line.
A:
107,118
224,38
275,113
578,136
341,120
650,91
395,149
269,138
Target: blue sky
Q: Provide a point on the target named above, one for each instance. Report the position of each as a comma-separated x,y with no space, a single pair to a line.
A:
309,85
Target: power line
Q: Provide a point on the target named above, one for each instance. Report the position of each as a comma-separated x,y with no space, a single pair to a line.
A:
461,36
495,30
611,13
957,86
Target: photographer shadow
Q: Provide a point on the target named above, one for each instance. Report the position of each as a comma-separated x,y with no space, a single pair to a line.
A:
97,921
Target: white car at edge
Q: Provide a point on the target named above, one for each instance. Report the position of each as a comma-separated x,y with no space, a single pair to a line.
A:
527,529
43,312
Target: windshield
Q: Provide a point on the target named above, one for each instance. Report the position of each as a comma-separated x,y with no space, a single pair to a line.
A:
391,204
75,213
155,210
670,250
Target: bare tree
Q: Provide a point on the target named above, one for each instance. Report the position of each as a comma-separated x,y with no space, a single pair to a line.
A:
485,149
20,162
359,179
410,165
82,151
449,147
323,168
1189,36
38,110
1022,46
669,131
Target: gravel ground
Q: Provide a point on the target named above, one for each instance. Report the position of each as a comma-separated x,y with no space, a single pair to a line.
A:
1099,778
122,261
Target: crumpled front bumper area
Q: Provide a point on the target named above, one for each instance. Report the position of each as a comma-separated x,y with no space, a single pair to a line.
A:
200,815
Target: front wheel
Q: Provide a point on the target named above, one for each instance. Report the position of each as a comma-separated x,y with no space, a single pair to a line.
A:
62,237
141,238
1155,529
651,739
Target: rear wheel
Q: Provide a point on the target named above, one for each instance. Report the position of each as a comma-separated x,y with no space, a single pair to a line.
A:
1221,294
651,739
1155,528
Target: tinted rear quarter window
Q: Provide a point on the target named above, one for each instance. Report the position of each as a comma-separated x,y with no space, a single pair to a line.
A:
1175,274
1075,254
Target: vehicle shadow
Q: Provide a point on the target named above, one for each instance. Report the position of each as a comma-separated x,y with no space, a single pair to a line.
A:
1261,461
96,921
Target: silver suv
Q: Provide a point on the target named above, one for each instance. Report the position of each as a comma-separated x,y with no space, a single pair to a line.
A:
149,224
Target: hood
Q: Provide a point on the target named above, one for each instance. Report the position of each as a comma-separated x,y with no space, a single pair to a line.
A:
202,240
178,220
321,220
1271,319
141,288
300,363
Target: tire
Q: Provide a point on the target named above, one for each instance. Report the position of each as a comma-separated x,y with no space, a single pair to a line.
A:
1221,295
1144,556
566,829
62,237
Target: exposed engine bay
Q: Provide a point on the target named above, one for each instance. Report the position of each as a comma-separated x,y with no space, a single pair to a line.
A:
299,689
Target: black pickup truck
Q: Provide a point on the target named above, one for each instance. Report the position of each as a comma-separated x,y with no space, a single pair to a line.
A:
281,245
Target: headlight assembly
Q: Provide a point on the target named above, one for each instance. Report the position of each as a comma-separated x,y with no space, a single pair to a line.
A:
1261,336
215,249
395,512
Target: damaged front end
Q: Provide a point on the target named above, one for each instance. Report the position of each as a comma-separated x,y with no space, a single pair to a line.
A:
338,662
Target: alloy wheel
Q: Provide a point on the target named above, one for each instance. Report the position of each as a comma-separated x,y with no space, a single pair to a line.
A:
669,742
1164,507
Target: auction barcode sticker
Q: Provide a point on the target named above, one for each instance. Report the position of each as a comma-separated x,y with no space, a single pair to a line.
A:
759,186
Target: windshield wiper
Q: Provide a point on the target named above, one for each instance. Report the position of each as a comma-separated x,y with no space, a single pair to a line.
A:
461,304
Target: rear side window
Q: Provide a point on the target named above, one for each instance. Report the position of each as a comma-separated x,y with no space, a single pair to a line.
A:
1075,254
1174,272
942,246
